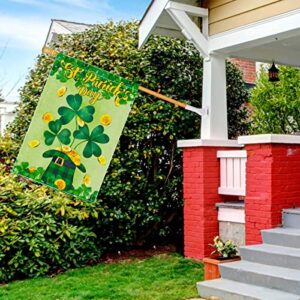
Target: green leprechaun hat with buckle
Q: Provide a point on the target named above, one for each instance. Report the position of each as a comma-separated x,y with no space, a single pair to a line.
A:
60,172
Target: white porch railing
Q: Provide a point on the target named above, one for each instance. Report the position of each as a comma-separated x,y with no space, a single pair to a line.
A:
232,172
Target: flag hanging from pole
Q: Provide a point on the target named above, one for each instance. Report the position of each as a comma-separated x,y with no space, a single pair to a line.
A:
75,128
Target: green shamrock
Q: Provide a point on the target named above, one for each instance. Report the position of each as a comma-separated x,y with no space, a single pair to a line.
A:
97,136
55,131
67,114
61,76
24,169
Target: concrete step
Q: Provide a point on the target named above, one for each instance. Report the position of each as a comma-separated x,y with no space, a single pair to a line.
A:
284,279
272,255
291,218
226,289
287,237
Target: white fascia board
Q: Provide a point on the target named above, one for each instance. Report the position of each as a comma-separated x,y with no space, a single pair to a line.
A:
190,9
208,143
257,33
148,23
269,139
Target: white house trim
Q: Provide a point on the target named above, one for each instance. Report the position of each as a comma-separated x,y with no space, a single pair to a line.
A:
214,125
269,139
258,33
178,13
208,143
232,153
192,10
232,172
150,19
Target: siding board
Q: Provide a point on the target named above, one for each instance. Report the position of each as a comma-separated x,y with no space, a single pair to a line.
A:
237,8
233,14
216,3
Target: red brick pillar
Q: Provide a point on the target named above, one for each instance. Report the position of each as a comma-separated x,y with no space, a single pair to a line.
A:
201,169
272,179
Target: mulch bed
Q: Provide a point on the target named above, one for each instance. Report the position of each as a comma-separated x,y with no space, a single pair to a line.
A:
136,254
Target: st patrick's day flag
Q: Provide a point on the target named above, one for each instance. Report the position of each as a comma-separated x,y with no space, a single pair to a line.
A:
75,128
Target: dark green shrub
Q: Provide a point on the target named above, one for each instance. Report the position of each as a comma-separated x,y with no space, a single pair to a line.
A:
237,96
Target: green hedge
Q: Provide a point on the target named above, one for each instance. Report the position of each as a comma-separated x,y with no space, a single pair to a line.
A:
276,106
140,202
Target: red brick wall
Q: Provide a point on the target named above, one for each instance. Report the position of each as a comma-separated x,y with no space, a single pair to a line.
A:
201,169
248,68
273,183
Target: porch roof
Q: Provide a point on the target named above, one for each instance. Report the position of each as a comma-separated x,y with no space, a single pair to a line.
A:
272,39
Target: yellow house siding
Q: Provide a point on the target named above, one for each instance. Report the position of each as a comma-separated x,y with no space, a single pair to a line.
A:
216,3
228,14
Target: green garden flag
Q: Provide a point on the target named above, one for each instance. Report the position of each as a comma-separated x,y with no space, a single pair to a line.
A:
75,128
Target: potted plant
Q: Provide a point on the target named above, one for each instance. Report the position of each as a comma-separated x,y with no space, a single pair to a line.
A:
224,252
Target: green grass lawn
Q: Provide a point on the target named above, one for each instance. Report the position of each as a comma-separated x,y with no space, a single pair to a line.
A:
163,277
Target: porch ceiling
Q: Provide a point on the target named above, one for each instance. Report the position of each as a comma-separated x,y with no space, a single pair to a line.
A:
281,50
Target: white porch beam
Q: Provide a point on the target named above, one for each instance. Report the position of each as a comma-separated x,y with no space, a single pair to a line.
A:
189,29
256,34
192,10
214,124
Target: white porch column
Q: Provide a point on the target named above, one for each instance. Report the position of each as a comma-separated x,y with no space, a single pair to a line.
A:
214,125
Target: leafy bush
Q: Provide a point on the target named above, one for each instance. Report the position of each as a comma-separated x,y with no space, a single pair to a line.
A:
42,231
276,106
8,151
141,198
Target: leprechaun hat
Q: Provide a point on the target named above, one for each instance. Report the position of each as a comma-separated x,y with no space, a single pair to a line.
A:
60,171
